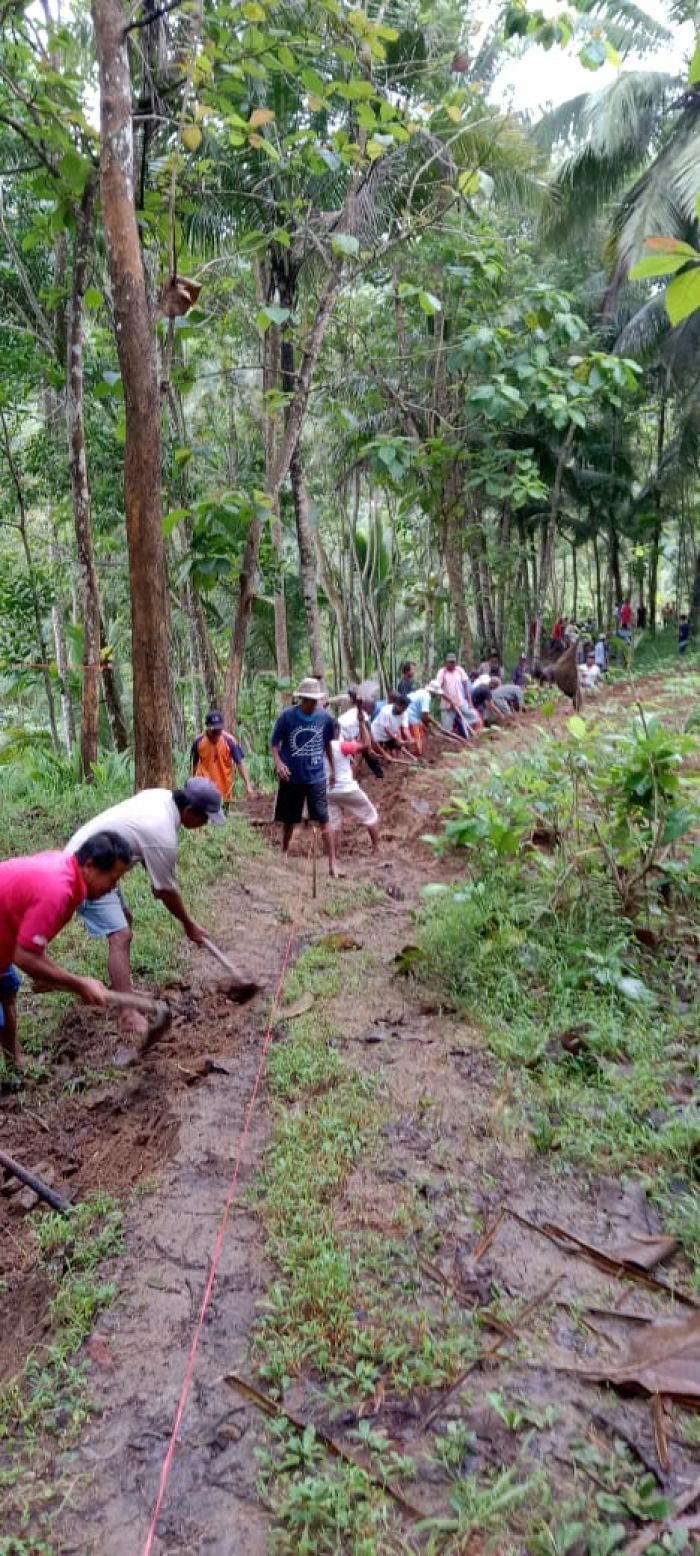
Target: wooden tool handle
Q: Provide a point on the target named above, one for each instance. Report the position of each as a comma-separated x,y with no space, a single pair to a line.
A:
132,1001
57,1201
220,957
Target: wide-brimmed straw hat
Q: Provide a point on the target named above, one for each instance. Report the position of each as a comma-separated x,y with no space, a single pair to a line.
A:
310,688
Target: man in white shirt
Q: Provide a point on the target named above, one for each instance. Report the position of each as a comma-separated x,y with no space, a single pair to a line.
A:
390,729
457,714
150,823
589,673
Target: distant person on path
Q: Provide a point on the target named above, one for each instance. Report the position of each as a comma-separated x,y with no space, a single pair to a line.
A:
150,822
345,797
641,618
666,616
556,641
457,713
625,621
600,653
492,666
301,745
407,683
683,635
38,896
589,673
216,755
521,673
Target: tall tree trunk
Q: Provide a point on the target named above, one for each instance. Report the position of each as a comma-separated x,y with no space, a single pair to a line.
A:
598,583
295,418
80,486
307,561
658,527
453,552
333,594
33,589
272,383
59,637
695,600
615,569
113,702
150,605
574,569
504,534
549,531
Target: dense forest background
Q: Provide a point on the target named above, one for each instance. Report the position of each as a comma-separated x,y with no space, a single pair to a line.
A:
318,356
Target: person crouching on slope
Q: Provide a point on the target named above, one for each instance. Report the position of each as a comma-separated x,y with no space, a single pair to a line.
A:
151,822
38,896
216,755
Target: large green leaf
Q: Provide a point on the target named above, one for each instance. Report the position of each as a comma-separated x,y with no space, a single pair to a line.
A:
683,295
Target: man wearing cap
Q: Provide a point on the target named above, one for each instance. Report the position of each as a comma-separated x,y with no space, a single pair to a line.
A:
215,755
457,713
150,823
301,744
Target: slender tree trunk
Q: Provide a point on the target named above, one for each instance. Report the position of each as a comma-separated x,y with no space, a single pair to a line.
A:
34,592
695,600
80,487
150,605
598,583
59,637
334,596
272,383
295,418
504,535
307,561
113,702
574,569
453,552
548,538
658,527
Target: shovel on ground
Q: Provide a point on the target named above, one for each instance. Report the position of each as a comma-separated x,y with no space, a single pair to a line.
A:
240,990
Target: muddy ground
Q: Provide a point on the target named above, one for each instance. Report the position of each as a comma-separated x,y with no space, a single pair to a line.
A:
172,1125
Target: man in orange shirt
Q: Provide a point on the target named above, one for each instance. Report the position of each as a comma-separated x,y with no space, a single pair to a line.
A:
216,754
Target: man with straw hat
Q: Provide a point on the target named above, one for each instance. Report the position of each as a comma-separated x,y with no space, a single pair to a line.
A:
301,739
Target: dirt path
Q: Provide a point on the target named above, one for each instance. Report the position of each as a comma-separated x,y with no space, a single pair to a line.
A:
450,1159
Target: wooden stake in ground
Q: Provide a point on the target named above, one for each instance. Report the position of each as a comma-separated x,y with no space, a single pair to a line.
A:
314,872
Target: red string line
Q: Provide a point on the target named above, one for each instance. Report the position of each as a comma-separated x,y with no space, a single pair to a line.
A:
217,1252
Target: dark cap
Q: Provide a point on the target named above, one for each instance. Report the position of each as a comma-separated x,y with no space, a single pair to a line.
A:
215,719
203,795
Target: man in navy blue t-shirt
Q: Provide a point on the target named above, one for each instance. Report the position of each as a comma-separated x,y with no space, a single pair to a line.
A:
301,739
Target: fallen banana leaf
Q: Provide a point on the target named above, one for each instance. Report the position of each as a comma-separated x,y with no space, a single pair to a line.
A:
646,1252
297,1008
272,1407
605,1260
662,1358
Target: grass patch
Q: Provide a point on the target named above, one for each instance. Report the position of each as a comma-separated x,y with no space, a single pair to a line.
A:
44,1408
546,950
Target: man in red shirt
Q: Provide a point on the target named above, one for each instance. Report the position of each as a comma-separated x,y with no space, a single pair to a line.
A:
38,896
626,614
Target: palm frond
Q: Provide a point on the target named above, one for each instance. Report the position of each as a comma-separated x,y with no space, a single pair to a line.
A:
663,201
583,188
624,115
643,333
560,124
648,31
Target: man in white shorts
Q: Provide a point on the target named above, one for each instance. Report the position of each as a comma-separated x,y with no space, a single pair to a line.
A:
150,823
345,797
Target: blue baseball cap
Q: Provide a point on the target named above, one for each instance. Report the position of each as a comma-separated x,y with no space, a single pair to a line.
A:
203,795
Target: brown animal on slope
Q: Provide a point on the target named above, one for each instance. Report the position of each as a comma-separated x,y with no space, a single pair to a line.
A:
565,674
